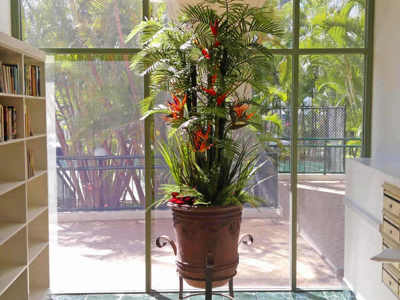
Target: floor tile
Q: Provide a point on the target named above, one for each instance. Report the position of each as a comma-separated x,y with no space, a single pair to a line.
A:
68,297
103,297
245,296
323,296
165,296
136,297
326,295
274,296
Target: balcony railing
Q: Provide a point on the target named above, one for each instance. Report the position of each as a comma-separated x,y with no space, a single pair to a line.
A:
117,182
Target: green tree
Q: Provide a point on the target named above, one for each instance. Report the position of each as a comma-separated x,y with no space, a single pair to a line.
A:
96,96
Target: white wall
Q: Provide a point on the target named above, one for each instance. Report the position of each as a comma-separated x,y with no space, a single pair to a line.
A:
386,95
365,179
5,16
364,204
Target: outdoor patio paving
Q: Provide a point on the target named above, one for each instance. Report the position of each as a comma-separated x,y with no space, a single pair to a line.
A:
108,256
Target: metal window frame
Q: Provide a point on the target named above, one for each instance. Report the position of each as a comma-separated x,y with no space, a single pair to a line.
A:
16,19
294,53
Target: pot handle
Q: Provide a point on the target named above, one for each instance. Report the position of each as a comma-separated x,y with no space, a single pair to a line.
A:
246,239
162,240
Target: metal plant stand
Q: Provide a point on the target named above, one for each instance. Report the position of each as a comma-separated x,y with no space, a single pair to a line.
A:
163,240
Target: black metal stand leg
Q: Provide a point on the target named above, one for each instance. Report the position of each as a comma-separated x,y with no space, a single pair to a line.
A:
231,287
246,239
209,269
180,288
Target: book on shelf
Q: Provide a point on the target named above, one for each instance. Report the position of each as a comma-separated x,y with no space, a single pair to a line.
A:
9,78
28,122
30,163
8,123
32,80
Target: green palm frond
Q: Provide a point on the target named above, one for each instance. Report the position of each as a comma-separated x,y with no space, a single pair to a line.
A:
210,54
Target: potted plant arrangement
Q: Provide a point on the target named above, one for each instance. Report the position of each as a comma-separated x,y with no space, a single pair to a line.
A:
212,63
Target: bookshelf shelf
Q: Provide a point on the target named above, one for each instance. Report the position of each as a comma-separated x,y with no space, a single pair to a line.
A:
38,173
13,141
8,229
35,97
36,248
24,233
35,211
17,289
35,136
6,187
8,274
7,95
39,280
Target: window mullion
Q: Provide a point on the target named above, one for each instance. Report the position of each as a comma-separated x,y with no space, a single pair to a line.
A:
16,19
149,168
368,78
293,148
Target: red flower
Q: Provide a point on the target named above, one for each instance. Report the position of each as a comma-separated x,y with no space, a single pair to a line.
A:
214,27
176,200
180,200
188,199
176,109
205,53
213,79
210,91
221,98
217,44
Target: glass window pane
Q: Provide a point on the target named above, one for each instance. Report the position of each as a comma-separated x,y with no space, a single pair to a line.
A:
80,24
283,11
330,130
99,203
332,23
265,264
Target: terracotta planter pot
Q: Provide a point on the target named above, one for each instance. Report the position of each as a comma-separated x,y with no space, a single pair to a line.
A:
207,232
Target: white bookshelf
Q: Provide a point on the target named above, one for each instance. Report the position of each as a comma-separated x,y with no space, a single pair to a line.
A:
24,233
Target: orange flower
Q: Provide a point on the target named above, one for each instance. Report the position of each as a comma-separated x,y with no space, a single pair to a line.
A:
210,91
221,98
204,147
205,53
240,109
201,140
241,117
250,116
176,108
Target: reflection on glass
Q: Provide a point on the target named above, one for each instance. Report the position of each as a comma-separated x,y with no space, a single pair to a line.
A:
330,124
332,23
100,176
80,24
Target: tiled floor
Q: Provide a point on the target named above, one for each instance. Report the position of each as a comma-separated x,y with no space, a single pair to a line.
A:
239,296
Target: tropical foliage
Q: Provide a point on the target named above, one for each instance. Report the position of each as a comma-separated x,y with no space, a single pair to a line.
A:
213,65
